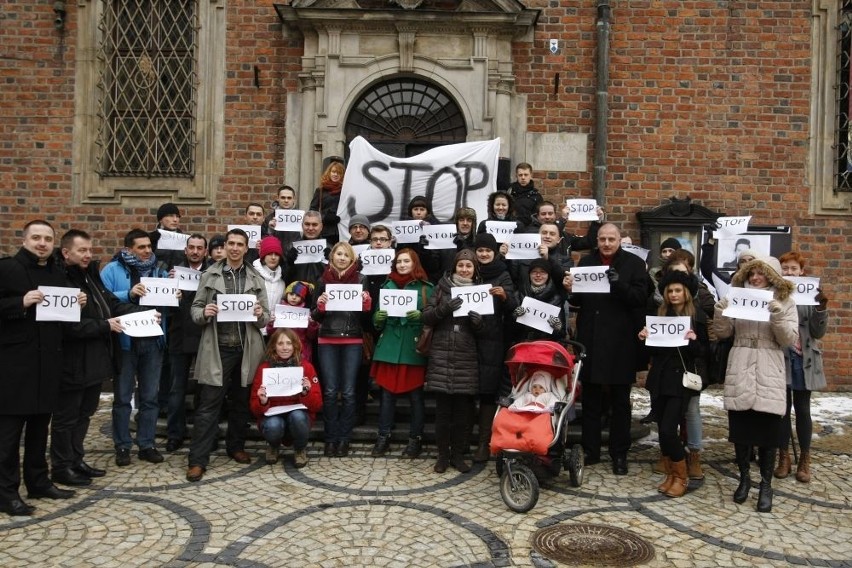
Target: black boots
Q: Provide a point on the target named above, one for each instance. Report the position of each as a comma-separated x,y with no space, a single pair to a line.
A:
743,453
486,418
381,446
766,457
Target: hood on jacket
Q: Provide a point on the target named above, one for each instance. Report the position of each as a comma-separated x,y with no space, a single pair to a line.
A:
783,288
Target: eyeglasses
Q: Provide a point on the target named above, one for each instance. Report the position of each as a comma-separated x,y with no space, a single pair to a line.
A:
379,240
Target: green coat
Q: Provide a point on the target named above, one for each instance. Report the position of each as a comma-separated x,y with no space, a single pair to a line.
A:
399,335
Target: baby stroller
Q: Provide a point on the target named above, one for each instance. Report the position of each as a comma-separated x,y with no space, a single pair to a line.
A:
533,444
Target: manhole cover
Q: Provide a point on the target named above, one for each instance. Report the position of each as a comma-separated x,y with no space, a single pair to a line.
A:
595,545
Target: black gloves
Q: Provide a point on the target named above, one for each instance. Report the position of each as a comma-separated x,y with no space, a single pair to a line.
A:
423,241
612,275
475,319
444,310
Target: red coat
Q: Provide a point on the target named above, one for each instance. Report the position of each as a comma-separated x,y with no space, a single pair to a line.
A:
312,400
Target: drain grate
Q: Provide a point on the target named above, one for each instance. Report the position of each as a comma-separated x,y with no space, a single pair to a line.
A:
595,545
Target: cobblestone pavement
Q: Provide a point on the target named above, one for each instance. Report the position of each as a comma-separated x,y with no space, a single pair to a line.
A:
361,511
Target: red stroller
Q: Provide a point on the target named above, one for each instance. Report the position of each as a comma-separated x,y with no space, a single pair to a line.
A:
528,443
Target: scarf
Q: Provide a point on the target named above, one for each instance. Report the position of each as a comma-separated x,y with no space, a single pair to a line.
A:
457,280
333,187
267,273
491,270
401,280
136,265
349,276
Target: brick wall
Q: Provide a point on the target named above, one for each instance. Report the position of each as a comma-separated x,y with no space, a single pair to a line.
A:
708,99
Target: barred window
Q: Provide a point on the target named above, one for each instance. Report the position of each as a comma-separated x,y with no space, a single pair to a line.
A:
147,89
842,89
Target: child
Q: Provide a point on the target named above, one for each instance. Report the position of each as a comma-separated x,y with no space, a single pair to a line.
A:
284,350
539,397
297,294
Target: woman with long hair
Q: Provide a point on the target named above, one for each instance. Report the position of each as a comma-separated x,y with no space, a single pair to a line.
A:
339,349
397,368
326,199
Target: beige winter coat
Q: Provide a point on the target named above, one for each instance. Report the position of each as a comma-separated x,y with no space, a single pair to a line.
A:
756,377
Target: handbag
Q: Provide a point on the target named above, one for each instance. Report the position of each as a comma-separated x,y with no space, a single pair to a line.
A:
692,381
424,341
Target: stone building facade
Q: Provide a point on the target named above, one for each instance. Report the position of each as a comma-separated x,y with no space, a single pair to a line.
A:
733,104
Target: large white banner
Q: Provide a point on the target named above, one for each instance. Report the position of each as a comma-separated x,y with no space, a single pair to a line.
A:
380,186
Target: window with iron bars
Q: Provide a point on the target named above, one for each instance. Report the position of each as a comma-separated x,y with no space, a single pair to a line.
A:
147,89
843,143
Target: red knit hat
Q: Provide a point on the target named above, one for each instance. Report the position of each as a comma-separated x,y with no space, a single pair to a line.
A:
269,245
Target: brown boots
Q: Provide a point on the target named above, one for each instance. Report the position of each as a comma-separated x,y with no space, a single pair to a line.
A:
666,467
784,464
693,464
803,472
675,483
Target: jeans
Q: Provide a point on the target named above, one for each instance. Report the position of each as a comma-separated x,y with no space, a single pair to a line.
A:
69,425
388,409
339,366
180,363
211,398
139,366
296,424
694,430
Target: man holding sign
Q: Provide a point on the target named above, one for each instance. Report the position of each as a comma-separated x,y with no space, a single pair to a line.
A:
608,324
141,357
31,352
228,354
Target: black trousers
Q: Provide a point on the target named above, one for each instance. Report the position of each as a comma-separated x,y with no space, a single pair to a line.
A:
71,424
670,413
619,422
453,415
33,428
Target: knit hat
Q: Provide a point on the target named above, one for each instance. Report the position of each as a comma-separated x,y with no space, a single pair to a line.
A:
541,264
542,378
167,209
359,220
215,242
418,201
466,213
269,245
750,252
486,240
689,281
300,288
773,262
670,243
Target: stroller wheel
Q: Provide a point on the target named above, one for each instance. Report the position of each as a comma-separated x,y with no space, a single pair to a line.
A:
576,466
519,488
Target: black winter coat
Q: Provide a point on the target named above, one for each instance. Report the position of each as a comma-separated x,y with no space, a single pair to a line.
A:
665,377
326,203
184,335
608,324
30,351
493,341
453,366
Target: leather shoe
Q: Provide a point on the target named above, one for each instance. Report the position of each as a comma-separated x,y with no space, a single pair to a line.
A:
174,445
589,459
85,469
16,508
51,492
150,455
342,450
122,457
240,456
619,465
68,476
194,473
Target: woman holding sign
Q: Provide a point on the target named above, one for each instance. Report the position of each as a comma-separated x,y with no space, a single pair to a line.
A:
756,380
397,368
453,369
665,378
340,344
289,417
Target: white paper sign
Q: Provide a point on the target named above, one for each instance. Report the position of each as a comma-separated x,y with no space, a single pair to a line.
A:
474,299
359,249
59,304
667,331
537,314
160,292
407,231
635,250
291,316
275,410
141,324
523,246
187,278
310,251
375,262
253,232
730,226
344,297
397,303
288,220
171,240
589,279
282,381
236,307
748,303
440,236
721,287
582,209
502,230
806,290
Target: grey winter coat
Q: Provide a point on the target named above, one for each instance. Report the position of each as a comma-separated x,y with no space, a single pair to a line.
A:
208,364
812,326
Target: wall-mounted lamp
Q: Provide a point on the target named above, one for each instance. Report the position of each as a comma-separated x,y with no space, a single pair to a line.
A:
59,20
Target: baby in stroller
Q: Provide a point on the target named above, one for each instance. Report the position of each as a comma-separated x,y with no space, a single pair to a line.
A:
540,397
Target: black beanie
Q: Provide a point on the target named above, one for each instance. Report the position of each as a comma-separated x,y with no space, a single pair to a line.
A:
689,281
486,240
167,209
670,243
